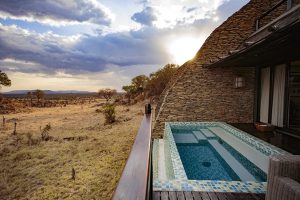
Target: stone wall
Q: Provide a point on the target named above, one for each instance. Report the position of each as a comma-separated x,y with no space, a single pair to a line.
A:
200,93
232,33
209,95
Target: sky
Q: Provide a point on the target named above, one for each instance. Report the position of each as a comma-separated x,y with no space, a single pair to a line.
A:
93,44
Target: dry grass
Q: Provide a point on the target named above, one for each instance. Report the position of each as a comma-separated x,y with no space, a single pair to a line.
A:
35,169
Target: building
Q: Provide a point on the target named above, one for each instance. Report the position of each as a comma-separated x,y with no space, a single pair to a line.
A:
247,71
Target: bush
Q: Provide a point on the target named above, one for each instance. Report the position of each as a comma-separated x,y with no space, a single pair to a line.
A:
45,133
109,113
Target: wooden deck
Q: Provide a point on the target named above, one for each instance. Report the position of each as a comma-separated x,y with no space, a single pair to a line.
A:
206,196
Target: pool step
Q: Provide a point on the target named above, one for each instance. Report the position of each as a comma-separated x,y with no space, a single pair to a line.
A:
199,135
185,138
255,156
237,167
207,133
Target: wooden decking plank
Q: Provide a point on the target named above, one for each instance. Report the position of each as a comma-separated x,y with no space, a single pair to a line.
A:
156,195
204,196
238,196
196,195
221,196
180,195
254,196
212,196
230,196
188,196
245,196
258,196
172,196
164,196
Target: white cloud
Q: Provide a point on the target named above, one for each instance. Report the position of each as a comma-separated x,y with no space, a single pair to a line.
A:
169,13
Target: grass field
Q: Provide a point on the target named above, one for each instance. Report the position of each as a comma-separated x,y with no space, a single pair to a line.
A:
35,169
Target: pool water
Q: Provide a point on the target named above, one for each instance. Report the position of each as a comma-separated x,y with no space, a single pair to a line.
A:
205,156
202,162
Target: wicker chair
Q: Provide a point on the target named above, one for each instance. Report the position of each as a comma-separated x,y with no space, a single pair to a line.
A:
284,178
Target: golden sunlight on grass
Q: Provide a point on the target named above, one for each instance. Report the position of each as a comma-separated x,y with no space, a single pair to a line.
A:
80,141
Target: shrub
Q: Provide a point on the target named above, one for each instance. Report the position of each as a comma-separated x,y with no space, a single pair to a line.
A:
109,113
45,133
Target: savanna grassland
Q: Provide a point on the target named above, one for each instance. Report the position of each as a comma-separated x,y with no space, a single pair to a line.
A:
31,168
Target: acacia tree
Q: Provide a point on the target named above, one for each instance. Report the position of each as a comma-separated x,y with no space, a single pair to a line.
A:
140,82
4,80
39,94
130,90
107,93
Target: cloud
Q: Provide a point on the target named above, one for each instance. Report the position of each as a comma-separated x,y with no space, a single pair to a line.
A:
165,14
31,52
74,54
108,59
56,12
145,17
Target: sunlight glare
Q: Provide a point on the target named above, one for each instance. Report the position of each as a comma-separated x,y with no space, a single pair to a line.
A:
184,48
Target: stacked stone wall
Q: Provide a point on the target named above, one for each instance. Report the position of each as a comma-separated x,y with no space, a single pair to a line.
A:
209,95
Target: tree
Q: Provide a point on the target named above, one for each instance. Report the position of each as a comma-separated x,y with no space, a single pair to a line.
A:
130,91
107,93
39,94
159,79
4,80
140,82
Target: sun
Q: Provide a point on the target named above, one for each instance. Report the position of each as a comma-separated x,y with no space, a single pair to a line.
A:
184,48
